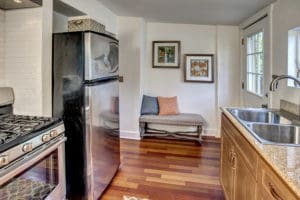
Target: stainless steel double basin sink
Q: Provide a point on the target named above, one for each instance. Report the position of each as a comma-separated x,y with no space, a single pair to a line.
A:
270,126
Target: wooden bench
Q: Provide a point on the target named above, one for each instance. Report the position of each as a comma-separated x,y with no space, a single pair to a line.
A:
182,119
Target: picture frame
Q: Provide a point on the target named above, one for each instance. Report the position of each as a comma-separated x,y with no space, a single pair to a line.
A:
166,54
199,68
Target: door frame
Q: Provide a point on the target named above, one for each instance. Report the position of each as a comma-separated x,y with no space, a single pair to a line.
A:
264,14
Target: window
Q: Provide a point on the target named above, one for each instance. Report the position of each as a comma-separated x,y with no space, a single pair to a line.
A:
255,63
294,55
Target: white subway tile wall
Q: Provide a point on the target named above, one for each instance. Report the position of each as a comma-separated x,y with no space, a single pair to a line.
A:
22,58
2,18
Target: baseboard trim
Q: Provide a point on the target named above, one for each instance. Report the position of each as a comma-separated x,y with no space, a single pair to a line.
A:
211,133
133,135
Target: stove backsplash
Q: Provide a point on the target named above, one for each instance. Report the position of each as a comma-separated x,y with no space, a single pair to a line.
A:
20,65
290,107
2,71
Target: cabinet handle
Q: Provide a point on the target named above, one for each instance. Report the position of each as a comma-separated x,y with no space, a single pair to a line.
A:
274,193
233,160
230,155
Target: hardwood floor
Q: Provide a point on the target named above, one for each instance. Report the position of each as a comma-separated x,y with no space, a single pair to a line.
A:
159,169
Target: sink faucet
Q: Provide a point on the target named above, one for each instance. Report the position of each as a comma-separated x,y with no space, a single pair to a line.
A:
276,79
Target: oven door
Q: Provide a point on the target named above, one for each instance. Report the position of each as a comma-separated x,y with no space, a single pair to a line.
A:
39,175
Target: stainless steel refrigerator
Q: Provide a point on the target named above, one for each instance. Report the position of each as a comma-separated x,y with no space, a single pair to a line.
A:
86,96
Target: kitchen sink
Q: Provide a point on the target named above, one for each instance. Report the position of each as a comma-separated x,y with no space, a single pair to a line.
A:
259,115
279,134
269,126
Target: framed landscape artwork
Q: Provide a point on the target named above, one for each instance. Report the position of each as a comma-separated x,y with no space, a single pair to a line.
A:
166,54
199,68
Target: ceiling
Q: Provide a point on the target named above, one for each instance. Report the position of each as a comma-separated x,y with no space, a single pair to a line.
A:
17,4
210,12
65,9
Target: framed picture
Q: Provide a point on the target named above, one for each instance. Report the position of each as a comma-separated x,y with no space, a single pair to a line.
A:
166,54
199,68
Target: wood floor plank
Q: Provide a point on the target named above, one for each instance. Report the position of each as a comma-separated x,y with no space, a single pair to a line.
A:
158,169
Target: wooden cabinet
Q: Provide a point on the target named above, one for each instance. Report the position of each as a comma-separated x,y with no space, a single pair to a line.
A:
237,179
244,174
244,180
271,186
227,169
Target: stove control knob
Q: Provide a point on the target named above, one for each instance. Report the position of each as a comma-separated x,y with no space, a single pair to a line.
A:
53,133
27,147
46,138
3,160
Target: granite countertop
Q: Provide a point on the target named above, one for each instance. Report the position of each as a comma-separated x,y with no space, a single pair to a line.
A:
285,160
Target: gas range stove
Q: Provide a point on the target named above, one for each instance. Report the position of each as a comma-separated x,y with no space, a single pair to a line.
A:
20,135
17,128
12,127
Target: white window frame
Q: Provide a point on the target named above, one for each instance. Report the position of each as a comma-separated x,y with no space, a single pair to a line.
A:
297,66
293,55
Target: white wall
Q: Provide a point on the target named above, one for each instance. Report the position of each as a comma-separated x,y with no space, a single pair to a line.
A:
96,10
201,98
23,57
192,97
286,16
228,68
28,52
46,66
92,8
2,21
131,33
140,78
60,23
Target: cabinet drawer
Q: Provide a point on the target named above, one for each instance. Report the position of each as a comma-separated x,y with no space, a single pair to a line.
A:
247,152
271,186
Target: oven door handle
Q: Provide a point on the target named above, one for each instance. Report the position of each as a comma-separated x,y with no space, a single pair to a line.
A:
21,165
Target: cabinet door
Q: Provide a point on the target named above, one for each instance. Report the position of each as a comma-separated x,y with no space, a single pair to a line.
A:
226,166
244,181
271,186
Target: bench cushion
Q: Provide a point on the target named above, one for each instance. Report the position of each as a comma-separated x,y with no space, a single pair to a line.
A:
149,105
186,119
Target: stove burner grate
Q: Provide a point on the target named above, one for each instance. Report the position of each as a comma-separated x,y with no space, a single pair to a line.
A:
14,126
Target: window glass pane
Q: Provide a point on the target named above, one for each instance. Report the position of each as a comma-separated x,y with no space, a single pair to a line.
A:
255,43
250,82
255,63
259,84
250,63
298,56
259,63
255,83
293,55
258,42
250,43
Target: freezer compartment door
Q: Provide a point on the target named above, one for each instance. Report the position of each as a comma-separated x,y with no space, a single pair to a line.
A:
102,136
101,57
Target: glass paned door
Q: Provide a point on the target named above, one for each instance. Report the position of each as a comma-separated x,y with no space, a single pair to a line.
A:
256,64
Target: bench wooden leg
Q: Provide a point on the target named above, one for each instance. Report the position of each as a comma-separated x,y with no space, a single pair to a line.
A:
163,133
199,129
142,129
